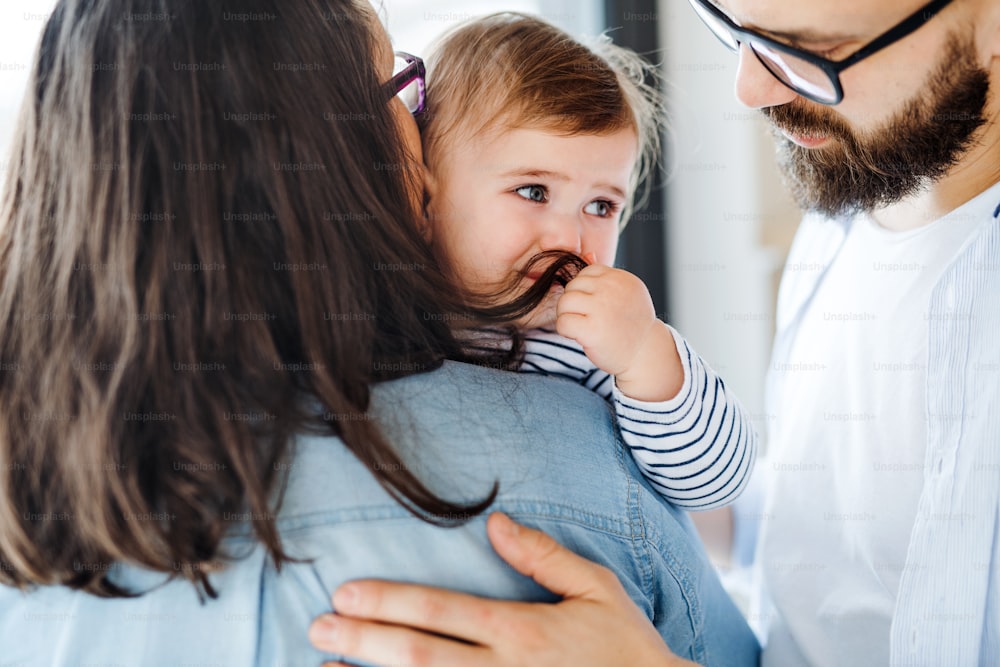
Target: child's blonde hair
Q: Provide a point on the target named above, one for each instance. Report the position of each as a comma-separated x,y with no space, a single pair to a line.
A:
511,70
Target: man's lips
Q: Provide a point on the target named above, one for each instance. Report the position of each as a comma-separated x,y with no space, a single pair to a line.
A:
806,140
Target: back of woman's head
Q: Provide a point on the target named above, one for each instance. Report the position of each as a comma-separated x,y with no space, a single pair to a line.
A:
206,245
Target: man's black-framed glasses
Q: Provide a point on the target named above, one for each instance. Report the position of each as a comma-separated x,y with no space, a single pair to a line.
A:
408,82
808,74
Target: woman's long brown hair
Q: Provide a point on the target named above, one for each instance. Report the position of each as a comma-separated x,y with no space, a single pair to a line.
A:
206,232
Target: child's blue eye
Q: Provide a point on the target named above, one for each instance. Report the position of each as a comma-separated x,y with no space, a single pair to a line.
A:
601,208
535,193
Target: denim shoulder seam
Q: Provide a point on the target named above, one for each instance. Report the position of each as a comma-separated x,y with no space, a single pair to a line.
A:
684,578
636,521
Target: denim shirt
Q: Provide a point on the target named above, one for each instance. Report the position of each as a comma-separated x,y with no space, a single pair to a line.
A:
561,467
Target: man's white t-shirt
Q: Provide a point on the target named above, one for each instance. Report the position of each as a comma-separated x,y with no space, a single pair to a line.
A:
847,451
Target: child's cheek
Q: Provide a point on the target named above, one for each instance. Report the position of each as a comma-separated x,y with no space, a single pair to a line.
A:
509,241
605,248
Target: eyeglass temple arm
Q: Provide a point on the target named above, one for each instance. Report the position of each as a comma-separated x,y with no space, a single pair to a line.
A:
911,24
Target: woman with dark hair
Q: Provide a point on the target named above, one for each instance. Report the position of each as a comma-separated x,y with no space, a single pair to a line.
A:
209,271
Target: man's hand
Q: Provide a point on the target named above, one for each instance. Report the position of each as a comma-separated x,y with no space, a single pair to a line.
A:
403,624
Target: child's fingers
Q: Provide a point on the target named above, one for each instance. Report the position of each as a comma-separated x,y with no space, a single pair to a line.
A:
594,270
588,273
576,302
571,325
587,282
577,286
611,283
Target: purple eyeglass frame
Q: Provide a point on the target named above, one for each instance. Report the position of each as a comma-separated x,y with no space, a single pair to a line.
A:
414,71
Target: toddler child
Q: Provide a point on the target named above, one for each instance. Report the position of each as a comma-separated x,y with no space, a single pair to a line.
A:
535,142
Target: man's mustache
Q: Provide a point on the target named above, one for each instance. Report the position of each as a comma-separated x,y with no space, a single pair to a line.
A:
795,119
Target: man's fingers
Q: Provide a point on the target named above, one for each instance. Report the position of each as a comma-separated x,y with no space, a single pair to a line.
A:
536,555
423,607
389,644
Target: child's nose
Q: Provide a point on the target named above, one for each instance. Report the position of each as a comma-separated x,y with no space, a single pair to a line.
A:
562,232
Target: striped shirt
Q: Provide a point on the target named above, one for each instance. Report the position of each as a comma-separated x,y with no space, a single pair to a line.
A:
696,449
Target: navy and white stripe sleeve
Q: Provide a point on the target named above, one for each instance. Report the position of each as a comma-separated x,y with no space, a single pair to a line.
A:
699,447
548,353
696,449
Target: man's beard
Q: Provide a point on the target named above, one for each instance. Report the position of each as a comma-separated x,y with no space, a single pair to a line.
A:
917,146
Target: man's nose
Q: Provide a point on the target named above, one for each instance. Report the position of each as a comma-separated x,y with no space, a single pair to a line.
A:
756,87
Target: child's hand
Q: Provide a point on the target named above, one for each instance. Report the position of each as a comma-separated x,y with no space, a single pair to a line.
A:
610,314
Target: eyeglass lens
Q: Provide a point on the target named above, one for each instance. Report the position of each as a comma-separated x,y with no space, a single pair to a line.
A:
800,75
717,27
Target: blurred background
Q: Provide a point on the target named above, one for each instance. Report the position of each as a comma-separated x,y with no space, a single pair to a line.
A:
711,241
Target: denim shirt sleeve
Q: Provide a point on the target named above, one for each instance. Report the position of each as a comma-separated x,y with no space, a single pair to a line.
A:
560,464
